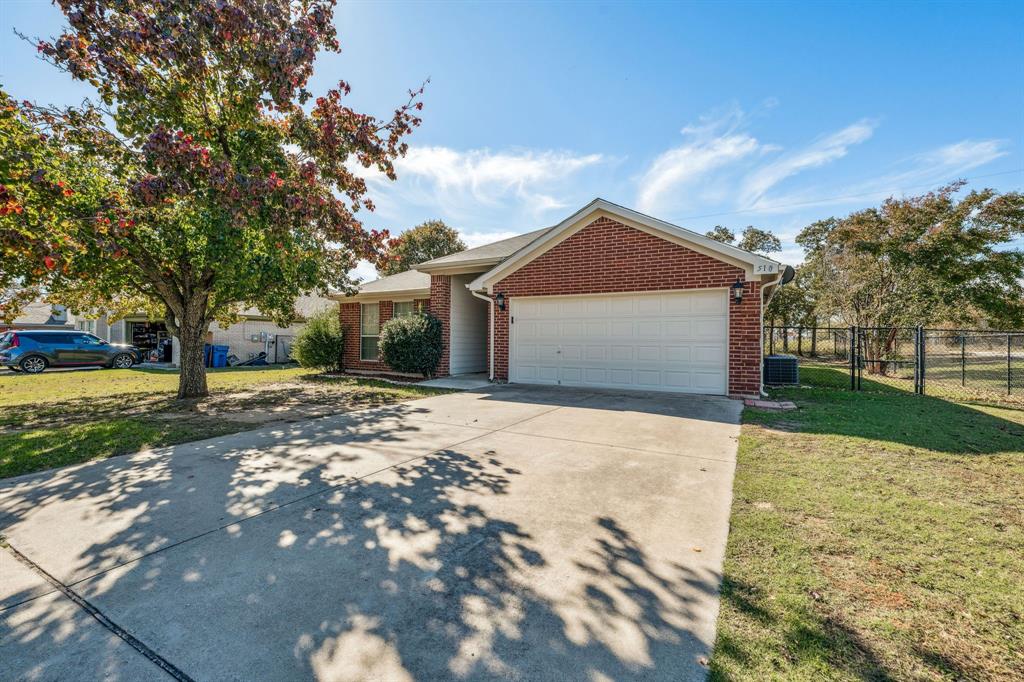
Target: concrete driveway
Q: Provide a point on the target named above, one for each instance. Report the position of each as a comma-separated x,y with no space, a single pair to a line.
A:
511,533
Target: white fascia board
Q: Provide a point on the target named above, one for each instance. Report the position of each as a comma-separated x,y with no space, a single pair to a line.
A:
752,263
370,297
460,267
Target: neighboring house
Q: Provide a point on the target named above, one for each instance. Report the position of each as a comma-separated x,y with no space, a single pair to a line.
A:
607,298
39,315
254,334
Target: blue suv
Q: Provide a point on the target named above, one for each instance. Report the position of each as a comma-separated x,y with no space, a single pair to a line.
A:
31,351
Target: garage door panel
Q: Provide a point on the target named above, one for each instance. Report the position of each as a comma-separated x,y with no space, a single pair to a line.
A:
648,329
708,355
677,379
572,330
527,352
668,341
648,305
571,375
573,308
708,303
622,353
620,306
708,380
677,354
709,328
677,329
620,329
676,305
648,353
621,377
572,353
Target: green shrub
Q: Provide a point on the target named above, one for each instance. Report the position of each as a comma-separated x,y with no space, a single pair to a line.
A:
411,343
319,343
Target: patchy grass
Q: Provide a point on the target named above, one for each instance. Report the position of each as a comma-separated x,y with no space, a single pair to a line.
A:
60,418
878,536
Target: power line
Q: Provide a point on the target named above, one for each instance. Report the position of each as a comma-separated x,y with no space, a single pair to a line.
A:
761,209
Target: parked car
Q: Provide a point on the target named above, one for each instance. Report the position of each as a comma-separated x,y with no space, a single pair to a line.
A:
32,351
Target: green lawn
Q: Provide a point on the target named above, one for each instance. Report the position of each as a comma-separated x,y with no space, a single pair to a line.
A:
59,418
875,535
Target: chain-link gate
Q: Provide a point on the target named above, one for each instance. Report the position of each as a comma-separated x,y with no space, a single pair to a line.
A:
956,363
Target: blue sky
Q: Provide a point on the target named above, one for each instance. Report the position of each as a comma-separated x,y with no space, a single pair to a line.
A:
771,114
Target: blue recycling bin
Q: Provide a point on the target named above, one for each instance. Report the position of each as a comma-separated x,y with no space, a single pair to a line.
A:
218,356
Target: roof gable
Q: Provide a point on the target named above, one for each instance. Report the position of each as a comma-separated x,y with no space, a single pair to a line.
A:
751,263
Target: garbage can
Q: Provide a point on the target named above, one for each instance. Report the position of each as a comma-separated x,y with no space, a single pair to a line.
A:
219,356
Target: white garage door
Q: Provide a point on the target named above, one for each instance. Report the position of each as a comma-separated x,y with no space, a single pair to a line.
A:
663,342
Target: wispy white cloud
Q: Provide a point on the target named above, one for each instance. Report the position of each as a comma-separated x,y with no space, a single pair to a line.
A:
966,154
820,152
915,174
461,185
714,142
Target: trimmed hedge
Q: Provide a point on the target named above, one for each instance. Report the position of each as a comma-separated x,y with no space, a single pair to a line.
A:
411,343
320,343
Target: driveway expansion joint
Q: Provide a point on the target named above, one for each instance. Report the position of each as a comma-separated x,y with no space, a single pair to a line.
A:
101,618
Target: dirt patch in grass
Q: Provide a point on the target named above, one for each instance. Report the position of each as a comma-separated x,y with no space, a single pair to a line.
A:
877,536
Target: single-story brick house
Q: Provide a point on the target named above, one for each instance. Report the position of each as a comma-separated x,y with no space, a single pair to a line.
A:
608,297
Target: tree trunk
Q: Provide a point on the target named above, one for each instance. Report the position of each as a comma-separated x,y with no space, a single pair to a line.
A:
192,380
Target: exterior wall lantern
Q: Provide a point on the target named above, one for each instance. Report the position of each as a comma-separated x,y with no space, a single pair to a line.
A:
500,300
737,291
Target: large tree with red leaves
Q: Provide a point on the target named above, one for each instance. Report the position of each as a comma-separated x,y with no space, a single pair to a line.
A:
223,183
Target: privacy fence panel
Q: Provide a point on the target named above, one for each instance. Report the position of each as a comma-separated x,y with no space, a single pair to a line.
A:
954,363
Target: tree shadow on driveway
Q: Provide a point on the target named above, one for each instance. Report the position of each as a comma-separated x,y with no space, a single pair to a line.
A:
330,551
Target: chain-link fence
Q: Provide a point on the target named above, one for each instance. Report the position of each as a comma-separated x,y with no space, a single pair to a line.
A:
972,362
824,352
954,363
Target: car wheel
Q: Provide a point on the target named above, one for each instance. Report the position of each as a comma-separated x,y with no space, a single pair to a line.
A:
123,361
33,364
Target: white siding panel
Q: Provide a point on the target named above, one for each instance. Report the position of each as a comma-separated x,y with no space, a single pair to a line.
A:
468,335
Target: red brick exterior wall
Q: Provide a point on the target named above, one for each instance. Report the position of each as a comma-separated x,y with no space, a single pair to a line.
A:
608,257
350,314
441,308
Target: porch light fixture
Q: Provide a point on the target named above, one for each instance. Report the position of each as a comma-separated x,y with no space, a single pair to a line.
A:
737,291
500,300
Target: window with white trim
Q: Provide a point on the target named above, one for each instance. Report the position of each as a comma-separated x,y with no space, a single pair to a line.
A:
403,308
369,330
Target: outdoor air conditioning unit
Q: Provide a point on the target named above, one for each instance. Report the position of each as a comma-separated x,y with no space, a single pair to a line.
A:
781,370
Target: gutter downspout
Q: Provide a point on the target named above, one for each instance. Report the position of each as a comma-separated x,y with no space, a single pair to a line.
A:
774,286
490,332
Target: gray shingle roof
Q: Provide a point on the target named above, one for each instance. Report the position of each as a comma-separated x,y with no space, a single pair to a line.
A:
404,281
499,249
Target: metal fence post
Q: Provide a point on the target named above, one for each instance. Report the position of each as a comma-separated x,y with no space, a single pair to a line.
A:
917,360
853,358
1009,388
800,341
861,338
963,359
924,358
771,339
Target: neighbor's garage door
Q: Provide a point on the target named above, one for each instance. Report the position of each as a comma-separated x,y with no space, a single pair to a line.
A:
663,342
